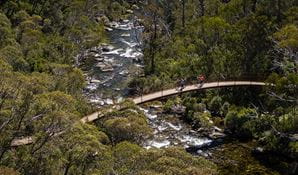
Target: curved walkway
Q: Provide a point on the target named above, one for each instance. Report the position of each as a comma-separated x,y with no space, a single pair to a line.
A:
156,96
170,92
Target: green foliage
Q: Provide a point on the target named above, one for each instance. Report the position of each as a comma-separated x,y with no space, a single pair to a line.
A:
288,122
287,37
294,147
124,152
237,118
127,126
224,109
202,120
168,105
116,10
215,104
159,161
84,152
7,35
41,92
248,163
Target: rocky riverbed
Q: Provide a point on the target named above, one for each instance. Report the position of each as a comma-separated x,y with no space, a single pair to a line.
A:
171,130
109,67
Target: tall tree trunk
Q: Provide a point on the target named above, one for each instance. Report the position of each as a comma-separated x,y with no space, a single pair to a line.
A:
67,169
153,45
202,7
244,7
254,5
183,15
68,165
279,6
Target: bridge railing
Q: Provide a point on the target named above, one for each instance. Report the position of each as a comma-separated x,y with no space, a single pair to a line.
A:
192,81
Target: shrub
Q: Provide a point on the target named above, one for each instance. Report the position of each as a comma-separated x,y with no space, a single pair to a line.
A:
168,105
202,119
236,120
215,104
132,128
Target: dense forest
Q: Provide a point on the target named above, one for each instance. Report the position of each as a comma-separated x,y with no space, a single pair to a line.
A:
41,84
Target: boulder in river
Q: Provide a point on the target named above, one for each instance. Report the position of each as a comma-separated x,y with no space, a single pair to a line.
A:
135,7
113,24
104,67
106,49
108,29
100,59
124,72
94,50
216,135
94,81
129,11
125,20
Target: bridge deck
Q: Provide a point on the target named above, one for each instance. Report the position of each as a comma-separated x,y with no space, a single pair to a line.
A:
170,92
155,96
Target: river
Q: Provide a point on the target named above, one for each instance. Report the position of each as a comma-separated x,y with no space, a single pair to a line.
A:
112,66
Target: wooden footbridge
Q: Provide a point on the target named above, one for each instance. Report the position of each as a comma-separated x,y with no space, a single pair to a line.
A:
158,95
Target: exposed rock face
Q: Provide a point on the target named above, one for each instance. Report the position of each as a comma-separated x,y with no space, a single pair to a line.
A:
105,67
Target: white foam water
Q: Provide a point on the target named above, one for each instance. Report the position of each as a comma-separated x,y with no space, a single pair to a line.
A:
129,53
130,44
177,128
125,35
194,141
158,144
91,86
97,101
113,52
109,101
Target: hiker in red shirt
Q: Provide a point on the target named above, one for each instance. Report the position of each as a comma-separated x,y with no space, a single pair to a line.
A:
201,79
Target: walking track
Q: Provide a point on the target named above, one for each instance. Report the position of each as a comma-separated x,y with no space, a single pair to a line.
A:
155,96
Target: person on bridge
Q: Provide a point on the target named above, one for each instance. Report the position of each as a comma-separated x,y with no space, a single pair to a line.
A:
201,79
181,84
